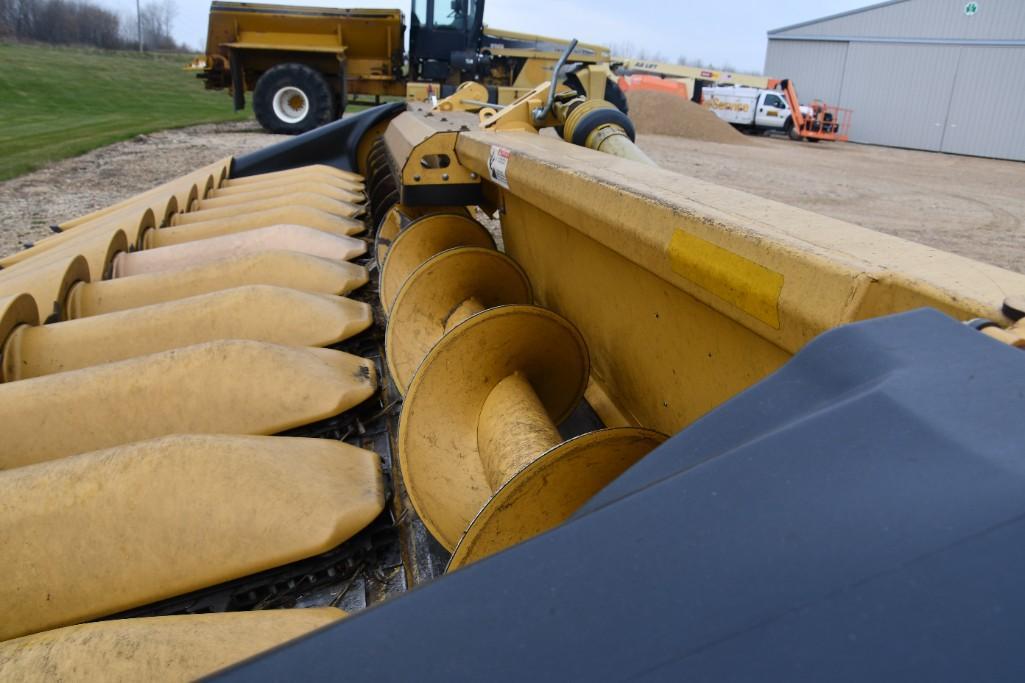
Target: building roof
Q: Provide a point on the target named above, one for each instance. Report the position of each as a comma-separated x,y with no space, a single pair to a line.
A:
945,22
838,15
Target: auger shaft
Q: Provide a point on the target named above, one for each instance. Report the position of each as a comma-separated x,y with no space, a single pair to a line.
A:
463,311
513,430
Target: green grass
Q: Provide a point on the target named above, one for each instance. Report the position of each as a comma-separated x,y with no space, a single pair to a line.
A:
58,102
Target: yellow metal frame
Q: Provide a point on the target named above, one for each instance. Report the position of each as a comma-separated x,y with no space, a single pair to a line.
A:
584,52
687,292
693,73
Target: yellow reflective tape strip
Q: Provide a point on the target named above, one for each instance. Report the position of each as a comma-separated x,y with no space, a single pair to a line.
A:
749,286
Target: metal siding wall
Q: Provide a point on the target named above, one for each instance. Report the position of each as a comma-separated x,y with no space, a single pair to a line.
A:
951,98
816,67
987,112
899,93
995,20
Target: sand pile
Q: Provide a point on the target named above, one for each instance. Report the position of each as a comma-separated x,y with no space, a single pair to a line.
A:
662,113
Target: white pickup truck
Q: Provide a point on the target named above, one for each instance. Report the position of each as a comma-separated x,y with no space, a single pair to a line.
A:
750,109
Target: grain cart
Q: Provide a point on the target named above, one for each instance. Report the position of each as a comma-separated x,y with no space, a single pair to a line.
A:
614,421
303,63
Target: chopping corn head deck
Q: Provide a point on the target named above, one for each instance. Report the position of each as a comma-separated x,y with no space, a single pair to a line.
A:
296,384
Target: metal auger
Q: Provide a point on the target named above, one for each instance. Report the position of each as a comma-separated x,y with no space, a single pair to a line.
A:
481,454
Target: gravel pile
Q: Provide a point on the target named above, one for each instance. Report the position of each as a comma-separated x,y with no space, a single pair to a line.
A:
659,113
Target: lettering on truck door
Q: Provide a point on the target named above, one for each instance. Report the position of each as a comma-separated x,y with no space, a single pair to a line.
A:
772,112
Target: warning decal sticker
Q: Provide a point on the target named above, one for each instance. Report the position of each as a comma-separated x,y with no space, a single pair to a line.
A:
498,161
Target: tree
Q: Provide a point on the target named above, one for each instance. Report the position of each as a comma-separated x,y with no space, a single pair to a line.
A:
60,21
157,24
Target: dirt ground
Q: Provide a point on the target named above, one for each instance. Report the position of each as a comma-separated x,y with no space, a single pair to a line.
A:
29,204
973,207
970,206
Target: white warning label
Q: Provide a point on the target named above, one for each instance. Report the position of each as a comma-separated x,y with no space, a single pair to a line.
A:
498,161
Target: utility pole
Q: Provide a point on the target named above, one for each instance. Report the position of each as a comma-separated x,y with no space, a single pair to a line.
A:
138,19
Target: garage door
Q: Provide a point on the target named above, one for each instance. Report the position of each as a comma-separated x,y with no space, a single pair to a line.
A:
900,93
987,110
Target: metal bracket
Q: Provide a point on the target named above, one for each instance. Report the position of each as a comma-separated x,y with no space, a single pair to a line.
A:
469,96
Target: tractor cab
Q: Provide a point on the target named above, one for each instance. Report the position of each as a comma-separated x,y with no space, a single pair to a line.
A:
444,37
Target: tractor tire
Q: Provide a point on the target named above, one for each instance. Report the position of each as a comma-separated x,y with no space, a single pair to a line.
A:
293,98
612,93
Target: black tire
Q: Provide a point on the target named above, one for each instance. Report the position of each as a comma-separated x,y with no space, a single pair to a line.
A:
312,95
612,93
616,96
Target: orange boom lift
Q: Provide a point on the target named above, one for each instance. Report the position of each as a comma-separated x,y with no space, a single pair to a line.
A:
826,122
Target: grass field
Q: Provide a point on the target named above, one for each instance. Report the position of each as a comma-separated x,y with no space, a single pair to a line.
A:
58,102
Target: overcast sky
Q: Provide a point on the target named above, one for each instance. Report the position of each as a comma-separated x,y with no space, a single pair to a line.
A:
720,31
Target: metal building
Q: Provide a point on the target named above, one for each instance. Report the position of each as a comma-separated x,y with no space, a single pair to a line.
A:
939,75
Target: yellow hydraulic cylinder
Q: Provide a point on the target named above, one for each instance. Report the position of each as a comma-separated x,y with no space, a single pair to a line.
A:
422,239
319,170
300,215
480,453
297,238
256,192
277,267
257,312
47,282
106,531
222,387
175,648
305,199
